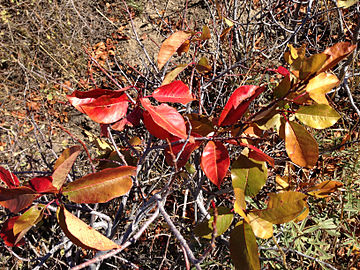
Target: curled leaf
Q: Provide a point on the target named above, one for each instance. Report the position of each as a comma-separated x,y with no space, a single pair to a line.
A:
101,105
323,189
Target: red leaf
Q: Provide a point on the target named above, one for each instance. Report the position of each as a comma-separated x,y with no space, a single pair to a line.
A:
238,102
132,120
7,233
154,128
102,106
166,117
8,178
16,199
281,70
176,91
257,154
185,154
42,184
215,162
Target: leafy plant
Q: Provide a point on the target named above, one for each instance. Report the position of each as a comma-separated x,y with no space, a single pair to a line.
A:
299,103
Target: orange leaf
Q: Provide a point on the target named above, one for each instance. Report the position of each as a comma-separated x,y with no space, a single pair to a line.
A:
323,189
170,46
63,165
337,52
101,186
300,145
82,234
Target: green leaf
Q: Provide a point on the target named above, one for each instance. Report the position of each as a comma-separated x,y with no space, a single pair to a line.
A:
300,146
249,175
283,207
101,186
223,222
283,88
28,219
318,116
243,247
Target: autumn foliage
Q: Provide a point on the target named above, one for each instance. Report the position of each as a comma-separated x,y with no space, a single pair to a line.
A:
299,103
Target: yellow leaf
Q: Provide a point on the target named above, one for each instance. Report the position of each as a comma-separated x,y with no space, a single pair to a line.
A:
261,228
320,85
346,3
317,116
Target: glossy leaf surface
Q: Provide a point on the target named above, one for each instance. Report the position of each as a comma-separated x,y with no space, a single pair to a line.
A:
317,116
176,91
283,207
238,103
170,46
63,165
167,118
8,178
101,186
102,106
215,162
42,184
243,247
320,85
261,228
82,234
16,199
300,145
223,222
249,175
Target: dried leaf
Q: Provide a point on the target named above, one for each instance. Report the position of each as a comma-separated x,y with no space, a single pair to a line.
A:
337,52
171,76
323,189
